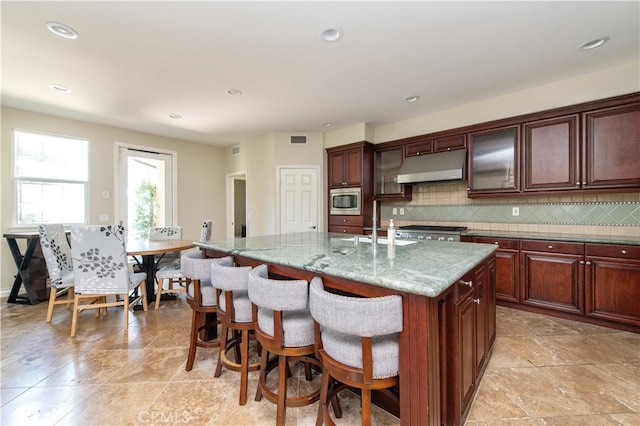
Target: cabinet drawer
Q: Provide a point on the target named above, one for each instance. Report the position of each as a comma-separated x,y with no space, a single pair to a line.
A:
552,246
613,250
346,229
503,243
344,220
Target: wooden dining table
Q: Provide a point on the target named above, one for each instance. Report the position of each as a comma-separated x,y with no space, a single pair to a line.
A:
149,250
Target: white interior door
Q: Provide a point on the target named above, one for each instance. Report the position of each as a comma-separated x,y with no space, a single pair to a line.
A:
298,200
145,190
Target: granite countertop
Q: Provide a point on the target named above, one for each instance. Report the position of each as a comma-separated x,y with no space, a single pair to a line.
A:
581,238
425,268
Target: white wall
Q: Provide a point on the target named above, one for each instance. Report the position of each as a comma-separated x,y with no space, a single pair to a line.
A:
200,175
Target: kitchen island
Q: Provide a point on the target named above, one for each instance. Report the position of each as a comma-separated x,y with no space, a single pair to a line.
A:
448,297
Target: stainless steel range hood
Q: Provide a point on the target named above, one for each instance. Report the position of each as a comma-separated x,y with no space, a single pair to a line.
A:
448,165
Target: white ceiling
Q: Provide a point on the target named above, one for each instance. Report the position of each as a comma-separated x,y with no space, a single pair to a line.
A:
135,63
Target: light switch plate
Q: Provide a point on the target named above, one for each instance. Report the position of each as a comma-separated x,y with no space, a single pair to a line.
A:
515,211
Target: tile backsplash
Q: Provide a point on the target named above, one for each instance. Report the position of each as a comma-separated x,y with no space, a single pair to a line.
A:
447,203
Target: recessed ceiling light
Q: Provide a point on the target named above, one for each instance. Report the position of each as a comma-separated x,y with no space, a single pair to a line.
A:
331,34
176,116
60,88
327,124
592,44
62,30
411,99
234,92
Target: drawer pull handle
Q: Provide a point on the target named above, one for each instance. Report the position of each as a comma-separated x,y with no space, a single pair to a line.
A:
344,220
623,252
550,247
496,243
467,283
476,301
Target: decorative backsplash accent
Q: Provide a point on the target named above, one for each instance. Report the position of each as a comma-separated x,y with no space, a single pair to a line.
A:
588,213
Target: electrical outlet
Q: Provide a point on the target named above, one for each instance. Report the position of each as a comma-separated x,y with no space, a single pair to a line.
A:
401,211
515,211
105,193
103,217
395,211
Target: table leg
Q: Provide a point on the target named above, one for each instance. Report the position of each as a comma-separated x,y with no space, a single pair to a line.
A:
23,276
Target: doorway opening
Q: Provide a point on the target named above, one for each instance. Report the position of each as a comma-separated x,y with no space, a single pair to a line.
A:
145,189
236,205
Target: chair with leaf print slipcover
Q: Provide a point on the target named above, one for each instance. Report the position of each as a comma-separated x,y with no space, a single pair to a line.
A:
57,256
171,273
101,268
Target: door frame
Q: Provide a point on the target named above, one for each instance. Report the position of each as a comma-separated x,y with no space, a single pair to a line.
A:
320,203
230,202
116,177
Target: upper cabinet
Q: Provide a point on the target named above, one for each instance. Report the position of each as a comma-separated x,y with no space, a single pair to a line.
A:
438,144
494,161
612,148
551,154
387,164
348,166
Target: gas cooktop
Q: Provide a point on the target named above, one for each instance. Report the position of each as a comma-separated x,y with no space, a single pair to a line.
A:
433,228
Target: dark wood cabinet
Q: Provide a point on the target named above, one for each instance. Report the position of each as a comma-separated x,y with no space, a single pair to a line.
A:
346,224
471,319
345,168
387,164
352,166
494,161
552,275
507,267
423,146
551,154
612,282
612,147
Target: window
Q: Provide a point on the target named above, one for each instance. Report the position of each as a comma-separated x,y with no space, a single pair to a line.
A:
50,178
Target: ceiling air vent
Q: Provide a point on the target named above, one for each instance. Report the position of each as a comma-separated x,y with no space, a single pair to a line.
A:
298,140
235,150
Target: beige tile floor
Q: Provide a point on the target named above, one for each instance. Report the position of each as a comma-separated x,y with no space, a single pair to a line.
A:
544,371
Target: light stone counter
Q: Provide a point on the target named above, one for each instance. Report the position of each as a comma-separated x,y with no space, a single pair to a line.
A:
425,268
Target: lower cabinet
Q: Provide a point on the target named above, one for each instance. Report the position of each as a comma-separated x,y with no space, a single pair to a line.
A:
346,224
591,282
471,321
612,284
553,275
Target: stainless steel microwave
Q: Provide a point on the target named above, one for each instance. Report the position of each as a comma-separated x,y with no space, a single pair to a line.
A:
345,201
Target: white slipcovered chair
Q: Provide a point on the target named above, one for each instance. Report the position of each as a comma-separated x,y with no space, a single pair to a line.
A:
57,256
171,274
101,268
357,343
234,313
201,296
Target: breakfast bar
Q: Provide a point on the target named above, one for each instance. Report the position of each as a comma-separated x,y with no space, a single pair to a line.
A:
448,293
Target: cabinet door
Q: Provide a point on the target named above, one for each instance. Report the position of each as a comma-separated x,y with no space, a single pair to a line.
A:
450,143
336,161
551,154
612,290
552,277
353,172
612,151
494,161
507,280
418,148
387,164
482,308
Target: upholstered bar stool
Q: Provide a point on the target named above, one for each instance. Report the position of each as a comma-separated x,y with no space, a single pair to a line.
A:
234,313
284,328
201,296
357,343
